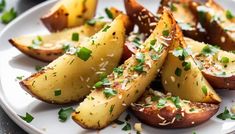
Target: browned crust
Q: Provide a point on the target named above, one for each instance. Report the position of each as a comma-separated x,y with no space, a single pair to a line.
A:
151,115
42,55
220,82
194,33
141,16
214,30
56,20
83,125
129,25
25,87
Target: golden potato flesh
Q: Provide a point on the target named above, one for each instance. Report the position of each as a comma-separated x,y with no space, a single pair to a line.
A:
49,47
127,83
69,13
71,77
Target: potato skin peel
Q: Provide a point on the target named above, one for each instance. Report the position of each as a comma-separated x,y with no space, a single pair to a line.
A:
153,116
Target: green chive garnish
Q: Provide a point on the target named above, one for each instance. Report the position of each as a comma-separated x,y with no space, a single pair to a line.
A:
75,37
28,118
84,53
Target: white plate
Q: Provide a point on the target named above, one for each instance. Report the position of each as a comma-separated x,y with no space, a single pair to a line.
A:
16,101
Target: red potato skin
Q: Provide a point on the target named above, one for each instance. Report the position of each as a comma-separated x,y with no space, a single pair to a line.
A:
194,33
141,16
214,31
150,116
42,55
56,21
220,82
128,50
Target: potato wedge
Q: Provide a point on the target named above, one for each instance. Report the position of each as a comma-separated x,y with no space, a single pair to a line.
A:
218,67
124,87
186,19
139,15
166,111
219,26
183,78
50,46
69,13
128,23
75,74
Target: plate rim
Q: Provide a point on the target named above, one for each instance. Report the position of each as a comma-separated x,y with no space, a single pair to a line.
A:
29,128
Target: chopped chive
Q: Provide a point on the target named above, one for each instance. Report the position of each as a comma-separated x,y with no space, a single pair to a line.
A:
154,98
229,14
57,92
191,109
8,16
176,101
36,43
225,115
153,42
161,102
84,53
75,37
38,68
111,109
127,127
186,65
178,116
139,68
182,53
103,76
204,90
106,28
99,84
109,13
65,113
2,5
178,72
140,57
118,70
165,33
154,57
19,77
173,7
28,118
109,92
224,60
66,47
209,50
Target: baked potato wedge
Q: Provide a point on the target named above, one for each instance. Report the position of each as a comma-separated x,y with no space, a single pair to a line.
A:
71,77
139,15
121,88
217,66
184,79
166,111
114,12
218,24
186,19
49,47
69,13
